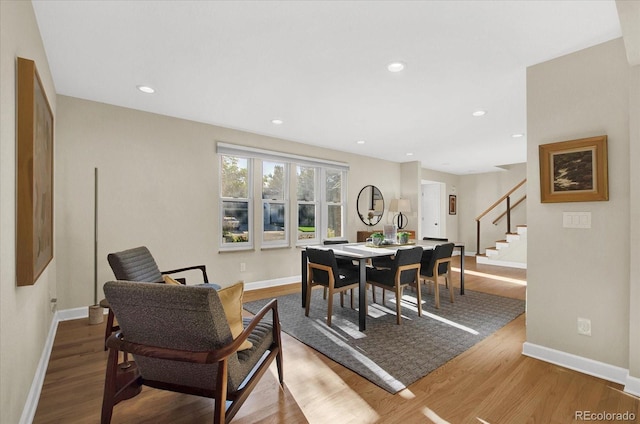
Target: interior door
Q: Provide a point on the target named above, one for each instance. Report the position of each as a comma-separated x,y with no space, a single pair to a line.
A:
431,209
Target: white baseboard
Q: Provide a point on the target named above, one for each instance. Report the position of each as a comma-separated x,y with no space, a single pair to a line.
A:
632,385
584,365
31,404
272,283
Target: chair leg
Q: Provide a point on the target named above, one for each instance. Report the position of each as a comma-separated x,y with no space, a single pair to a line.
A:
351,296
109,328
307,301
108,397
437,291
373,290
450,287
399,290
330,307
419,296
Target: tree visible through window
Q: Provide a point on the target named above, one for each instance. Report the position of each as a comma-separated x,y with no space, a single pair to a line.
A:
334,199
274,203
306,197
235,189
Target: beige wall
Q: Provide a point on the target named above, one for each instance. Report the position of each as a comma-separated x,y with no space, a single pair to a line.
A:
451,186
158,186
581,273
634,219
25,313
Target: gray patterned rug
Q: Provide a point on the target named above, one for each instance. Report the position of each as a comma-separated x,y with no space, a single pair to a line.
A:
390,355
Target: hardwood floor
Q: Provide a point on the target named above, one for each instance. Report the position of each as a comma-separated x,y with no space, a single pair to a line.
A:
490,383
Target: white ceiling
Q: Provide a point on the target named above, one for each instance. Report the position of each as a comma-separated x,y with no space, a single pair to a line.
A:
320,66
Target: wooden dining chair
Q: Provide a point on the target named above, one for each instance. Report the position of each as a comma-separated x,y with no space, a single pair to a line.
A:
404,271
323,271
437,264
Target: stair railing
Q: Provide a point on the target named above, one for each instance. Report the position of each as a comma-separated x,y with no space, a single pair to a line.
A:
506,197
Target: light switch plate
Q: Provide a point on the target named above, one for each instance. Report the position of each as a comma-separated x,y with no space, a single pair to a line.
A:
576,219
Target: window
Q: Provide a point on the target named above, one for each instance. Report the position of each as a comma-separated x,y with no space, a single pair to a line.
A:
274,203
334,203
235,192
319,190
307,202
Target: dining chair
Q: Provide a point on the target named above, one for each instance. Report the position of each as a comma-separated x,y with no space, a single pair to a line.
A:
342,262
435,264
323,271
404,271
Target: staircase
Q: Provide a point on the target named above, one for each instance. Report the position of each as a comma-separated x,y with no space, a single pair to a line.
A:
511,252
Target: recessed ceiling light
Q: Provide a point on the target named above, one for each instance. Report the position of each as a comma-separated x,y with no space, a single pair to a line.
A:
360,142
146,89
395,66
479,113
409,154
277,121
518,135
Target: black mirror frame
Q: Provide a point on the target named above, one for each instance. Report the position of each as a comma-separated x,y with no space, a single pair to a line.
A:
370,219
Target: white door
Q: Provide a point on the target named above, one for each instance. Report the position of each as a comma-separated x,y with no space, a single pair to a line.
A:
431,210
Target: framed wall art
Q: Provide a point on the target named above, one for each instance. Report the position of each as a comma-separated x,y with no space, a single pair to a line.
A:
574,170
34,146
453,207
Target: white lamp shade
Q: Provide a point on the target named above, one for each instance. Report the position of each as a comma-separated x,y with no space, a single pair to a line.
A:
400,205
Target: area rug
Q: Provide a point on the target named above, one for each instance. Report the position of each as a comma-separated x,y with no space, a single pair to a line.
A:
389,355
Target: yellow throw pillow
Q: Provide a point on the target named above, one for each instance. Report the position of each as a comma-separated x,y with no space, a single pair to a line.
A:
231,298
169,280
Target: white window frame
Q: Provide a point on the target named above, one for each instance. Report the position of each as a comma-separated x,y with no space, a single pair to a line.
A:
324,203
317,206
284,202
249,200
321,165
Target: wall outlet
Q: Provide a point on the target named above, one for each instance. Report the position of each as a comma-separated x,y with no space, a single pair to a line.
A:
584,326
243,266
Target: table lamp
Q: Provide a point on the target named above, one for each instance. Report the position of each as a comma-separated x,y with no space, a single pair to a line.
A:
400,206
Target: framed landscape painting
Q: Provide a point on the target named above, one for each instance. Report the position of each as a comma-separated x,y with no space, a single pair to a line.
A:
574,171
34,244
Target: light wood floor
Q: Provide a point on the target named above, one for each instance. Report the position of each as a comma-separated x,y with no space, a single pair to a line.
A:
490,383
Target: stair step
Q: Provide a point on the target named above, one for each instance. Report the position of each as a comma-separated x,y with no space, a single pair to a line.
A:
491,251
502,244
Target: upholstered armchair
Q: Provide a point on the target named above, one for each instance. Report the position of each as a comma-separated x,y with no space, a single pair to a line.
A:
137,264
181,339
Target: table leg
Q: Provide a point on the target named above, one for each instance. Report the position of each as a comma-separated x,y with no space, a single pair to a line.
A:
304,277
461,269
363,294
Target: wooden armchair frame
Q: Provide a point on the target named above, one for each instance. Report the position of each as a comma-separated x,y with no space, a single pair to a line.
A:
122,383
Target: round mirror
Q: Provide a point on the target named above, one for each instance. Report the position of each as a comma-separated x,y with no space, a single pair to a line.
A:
370,205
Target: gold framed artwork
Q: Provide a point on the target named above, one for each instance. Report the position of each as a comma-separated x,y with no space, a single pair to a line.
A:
574,170
34,145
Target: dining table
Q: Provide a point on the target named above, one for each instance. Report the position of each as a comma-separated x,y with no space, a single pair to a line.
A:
363,252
